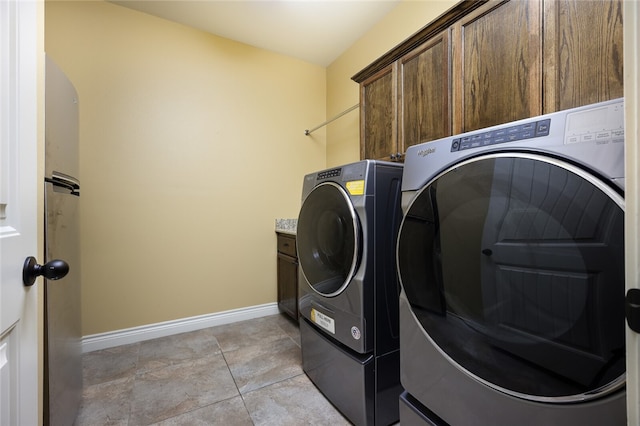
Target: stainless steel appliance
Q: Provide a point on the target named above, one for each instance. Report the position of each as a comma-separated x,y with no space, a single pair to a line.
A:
62,336
348,295
511,262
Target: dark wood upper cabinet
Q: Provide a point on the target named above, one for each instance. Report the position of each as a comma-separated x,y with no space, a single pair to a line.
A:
424,78
484,63
497,69
378,125
583,53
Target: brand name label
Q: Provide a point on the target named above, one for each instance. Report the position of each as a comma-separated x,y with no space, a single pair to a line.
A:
426,151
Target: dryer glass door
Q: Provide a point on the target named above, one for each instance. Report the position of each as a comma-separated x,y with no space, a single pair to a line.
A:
328,239
513,265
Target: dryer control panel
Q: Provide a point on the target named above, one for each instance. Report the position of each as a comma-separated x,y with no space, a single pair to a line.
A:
590,135
600,124
518,132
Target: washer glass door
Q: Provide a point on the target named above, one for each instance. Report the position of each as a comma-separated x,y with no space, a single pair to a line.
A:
513,265
327,239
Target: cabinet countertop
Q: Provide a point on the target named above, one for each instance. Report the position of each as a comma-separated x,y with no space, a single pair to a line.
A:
286,226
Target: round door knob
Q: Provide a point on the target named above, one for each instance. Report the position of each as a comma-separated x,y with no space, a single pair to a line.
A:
53,270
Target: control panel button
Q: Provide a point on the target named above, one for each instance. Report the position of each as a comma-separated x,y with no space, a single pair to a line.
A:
542,128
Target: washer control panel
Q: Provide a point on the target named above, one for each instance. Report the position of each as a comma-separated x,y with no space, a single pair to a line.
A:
534,129
349,172
329,174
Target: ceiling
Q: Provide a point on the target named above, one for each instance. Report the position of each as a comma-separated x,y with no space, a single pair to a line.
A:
316,31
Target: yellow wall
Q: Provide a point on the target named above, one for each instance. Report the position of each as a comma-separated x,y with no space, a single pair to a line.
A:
191,146
342,92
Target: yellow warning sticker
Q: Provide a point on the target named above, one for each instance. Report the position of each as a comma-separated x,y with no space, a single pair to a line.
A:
323,321
356,187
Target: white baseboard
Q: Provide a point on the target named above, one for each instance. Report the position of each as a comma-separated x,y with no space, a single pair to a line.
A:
126,336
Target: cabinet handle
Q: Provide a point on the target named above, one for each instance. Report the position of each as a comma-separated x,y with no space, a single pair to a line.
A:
393,157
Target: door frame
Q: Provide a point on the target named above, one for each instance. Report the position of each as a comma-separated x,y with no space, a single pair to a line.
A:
632,217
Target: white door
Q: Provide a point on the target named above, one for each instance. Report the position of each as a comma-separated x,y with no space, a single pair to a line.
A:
19,111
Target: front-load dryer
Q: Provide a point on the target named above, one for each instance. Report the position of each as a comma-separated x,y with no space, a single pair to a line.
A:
511,263
348,287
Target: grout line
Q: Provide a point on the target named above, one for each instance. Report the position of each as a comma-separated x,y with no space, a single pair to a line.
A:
244,403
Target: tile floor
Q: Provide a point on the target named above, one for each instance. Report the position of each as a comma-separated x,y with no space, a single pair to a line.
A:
245,373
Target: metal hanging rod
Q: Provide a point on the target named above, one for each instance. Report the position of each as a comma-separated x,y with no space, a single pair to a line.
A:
308,132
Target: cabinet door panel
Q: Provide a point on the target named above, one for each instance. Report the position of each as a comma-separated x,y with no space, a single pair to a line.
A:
378,116
498,74
288,285
424,77
582,53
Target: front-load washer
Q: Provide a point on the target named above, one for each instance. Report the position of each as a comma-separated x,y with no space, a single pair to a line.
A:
511,262
348,288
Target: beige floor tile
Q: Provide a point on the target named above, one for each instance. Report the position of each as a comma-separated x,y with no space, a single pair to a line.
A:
248,333
230,412
106,404
166,392
175,349
110,364
256,366
292,402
